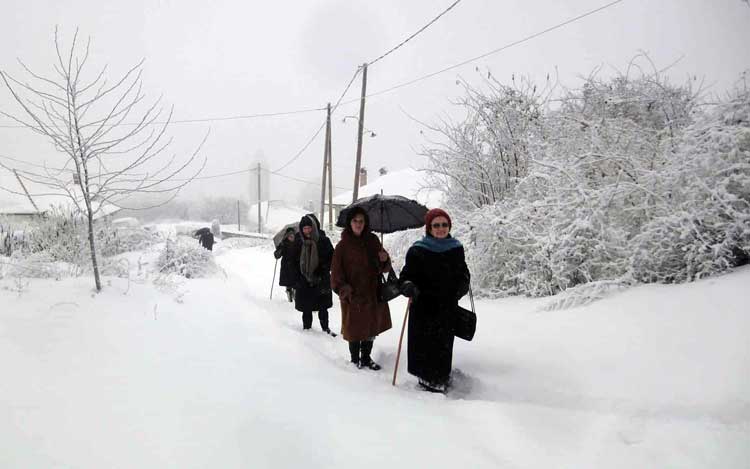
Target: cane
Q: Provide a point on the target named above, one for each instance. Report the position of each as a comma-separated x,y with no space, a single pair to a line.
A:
273,280
400,339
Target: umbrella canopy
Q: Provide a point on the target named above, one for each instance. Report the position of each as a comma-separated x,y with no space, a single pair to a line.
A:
200,232
279,237
388,213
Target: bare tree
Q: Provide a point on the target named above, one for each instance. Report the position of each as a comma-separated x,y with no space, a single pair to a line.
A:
113,142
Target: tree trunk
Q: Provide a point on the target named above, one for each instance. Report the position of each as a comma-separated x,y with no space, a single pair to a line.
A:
92,246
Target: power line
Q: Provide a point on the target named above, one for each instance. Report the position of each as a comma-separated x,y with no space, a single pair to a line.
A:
384,55
301,180
302,150
212,176
346,89
495,51
206,119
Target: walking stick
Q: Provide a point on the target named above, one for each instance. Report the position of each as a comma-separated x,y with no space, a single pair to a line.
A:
400,339
273,280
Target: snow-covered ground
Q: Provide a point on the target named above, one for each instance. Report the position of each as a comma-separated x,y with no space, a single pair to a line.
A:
210,373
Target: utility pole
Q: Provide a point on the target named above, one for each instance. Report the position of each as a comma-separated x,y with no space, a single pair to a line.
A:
355,192
325,167
330,175
260,225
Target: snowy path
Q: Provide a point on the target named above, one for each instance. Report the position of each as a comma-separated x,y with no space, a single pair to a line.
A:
658,376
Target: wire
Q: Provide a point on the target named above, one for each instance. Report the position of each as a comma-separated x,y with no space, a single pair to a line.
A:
32,164
372,62
207,119
212,176
356,72
302,150
495,51
306,181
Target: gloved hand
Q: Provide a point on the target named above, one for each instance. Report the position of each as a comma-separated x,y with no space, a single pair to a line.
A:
345,293
409,290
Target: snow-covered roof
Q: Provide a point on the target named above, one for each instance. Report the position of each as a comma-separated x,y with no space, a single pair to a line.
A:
406,182
275,215
18,204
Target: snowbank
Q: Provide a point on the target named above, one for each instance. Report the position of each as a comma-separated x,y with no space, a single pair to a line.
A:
211,373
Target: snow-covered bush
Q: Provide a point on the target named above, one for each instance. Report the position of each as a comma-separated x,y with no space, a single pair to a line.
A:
624,179
37,265
704,227
398,243
61,237
11,238
186,258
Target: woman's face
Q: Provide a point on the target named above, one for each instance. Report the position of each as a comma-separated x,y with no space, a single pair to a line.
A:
439,227
358,224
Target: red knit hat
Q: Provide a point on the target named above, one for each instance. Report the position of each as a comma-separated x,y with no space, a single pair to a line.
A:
433,214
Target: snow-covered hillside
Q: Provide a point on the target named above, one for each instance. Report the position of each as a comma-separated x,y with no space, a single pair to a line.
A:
211,373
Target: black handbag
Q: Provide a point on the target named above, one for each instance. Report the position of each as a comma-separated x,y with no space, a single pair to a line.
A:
465,321
388,287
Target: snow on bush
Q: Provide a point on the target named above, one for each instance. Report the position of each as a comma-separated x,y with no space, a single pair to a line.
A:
186,258
36,265
56,246
704,227
624,179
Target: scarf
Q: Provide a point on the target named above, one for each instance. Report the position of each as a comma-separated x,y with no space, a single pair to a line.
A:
308,259
438,245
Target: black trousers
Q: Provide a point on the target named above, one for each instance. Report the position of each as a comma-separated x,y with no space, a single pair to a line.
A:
322,316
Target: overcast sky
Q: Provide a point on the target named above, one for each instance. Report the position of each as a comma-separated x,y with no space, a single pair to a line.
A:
221,58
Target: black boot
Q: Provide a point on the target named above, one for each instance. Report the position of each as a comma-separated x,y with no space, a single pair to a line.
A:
354,351
365,360
290,294
306,320
323,316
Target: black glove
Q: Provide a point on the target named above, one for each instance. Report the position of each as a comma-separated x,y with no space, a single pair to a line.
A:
409,290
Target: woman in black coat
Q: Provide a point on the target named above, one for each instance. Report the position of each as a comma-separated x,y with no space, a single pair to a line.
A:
311,256
287,275
435,277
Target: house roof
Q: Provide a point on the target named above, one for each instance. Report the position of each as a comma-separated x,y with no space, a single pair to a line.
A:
13,202
406,182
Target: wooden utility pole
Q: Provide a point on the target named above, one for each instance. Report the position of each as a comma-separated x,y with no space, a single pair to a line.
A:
330,175
260,225
355,192
325,168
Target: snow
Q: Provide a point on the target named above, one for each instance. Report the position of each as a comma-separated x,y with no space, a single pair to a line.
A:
15,203
275,215
407,182
211,373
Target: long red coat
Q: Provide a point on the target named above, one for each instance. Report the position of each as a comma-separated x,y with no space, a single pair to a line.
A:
356,264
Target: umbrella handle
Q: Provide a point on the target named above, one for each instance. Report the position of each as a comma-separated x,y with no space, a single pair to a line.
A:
400,340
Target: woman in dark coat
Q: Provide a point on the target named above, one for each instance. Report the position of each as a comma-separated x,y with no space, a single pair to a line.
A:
435,277
358,260
312,252
287,273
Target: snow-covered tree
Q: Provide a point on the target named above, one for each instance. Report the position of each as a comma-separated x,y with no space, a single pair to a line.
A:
112,144
627,178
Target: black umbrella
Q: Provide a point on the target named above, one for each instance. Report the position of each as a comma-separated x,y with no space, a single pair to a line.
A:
388,213
200,232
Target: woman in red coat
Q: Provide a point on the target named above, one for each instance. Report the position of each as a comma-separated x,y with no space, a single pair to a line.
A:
358,260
